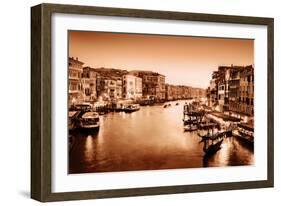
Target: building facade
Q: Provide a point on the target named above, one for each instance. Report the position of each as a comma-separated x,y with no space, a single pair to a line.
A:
172,92
232,90
197,92
175,92
153,84
246,98
109,89
132,87
75,89
213,92
89,84
109,83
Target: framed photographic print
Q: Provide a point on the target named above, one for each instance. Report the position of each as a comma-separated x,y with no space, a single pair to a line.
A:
130,102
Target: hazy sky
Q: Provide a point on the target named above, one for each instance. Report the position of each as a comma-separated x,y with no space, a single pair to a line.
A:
183,60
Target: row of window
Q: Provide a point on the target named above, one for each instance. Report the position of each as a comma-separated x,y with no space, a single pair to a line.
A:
249,78
74,87
246,100
74,74
240,106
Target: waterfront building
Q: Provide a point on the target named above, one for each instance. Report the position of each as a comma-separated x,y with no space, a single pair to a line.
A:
197,92
222,81
213,91
132,87
175,92
89,84
181,92
153,84
109,83
246,98
227,79
232,90
118,88
187,92
208,96
75,89
109,88
221,96
171,92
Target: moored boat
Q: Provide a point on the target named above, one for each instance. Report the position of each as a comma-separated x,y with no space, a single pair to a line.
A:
73,120
212,148
83,107
90,121
212,143
207,125
245,132
190,127
146,102
167,105
131,108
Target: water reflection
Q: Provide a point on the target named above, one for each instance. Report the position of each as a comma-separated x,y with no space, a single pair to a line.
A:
151,138
89,149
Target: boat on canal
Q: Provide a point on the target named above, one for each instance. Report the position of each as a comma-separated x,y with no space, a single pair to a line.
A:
191,118
190,128
131,108
190,125
211,146
208,126
90,121
213,138
83,107
73,120
212,142
146,102
167,105
245,132
220,134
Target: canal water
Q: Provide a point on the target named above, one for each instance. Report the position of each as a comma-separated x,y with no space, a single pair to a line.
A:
148,139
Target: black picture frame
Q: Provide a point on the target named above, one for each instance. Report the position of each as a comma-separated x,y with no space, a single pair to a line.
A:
41,95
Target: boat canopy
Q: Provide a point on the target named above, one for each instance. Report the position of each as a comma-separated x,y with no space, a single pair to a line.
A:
90,115
83,106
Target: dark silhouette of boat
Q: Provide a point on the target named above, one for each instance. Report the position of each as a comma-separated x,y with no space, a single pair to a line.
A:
208,125
90,122
213,147
73,121
167,105
212,141
190,127
245,132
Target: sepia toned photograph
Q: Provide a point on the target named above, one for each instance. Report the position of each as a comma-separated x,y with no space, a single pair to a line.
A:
150,102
